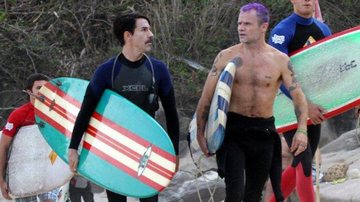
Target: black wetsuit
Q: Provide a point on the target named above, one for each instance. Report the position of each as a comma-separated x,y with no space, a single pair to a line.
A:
250,148
134,81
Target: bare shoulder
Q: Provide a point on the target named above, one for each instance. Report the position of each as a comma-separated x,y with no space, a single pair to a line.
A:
281,58
226,55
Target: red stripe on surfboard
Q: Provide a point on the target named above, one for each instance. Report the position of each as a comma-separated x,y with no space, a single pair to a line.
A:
53,123
112,124
104,138
331,37
327,115
59,109
129,152
123,167
62,94
133,136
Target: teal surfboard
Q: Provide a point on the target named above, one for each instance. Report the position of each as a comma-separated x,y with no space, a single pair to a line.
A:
124,149
328,72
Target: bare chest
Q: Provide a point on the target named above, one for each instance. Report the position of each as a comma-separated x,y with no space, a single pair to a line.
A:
259,73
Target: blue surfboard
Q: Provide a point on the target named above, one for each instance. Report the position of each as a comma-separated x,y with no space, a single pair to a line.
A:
216,123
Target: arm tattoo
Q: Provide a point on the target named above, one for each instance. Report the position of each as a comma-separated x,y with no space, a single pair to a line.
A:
294,83
297,112
291,68
214,71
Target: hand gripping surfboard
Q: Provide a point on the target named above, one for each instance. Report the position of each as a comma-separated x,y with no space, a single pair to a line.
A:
328,72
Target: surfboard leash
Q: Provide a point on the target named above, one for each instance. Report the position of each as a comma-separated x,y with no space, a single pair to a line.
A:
202,173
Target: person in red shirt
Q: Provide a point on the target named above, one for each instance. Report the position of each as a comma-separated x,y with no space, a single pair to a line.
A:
22,116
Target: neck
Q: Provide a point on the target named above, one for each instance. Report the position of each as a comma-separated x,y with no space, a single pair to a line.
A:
310,15
254,47
132,54
32,100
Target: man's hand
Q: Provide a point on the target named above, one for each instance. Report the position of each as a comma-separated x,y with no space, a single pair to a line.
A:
73,159
316,113
5,190
203,144
299,142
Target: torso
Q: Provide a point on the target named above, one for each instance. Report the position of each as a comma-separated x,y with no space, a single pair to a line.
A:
256,82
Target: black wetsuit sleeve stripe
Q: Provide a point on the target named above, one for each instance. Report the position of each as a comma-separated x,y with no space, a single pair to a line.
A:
172,120
83,118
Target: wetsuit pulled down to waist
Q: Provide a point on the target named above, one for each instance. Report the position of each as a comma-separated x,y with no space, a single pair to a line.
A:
252,148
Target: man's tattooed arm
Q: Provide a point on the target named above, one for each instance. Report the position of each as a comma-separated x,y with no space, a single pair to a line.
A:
294,83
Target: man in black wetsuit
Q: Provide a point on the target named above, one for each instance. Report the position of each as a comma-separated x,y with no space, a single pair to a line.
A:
135,76
251,142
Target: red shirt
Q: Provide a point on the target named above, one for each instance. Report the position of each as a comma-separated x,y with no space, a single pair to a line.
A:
22,116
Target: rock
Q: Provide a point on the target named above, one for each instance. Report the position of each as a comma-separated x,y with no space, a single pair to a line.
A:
348,141
346,191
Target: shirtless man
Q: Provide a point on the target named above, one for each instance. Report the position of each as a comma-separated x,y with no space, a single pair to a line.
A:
250,134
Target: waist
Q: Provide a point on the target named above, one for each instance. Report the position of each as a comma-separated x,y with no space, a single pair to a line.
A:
250,122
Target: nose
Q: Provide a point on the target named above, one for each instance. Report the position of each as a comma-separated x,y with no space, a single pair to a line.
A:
151,34
240,27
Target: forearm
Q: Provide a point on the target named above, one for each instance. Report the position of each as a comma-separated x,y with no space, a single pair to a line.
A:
301,108
202,113
172,119
3,160
82,120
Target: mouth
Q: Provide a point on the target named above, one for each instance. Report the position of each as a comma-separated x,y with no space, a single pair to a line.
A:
149,41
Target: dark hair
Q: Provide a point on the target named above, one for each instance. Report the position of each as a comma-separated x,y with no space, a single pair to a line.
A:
261,11
126,22
34,77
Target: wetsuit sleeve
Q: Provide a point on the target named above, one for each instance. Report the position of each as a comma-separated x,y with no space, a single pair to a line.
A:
280,39
324,28
167,96
99,82
83,118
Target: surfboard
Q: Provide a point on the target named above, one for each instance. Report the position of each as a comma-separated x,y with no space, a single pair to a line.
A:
124,149
328,72
216,123
33,167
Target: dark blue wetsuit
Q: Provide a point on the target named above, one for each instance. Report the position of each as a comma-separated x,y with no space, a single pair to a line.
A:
291,34
134,81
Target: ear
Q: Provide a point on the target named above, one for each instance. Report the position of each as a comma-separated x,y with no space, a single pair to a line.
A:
265,26
127,35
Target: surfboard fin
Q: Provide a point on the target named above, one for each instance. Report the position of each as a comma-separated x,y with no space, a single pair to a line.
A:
41,124
144,160
52,105
58,82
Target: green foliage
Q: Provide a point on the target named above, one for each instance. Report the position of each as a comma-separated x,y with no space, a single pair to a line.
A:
70,38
